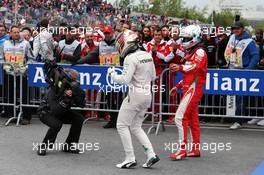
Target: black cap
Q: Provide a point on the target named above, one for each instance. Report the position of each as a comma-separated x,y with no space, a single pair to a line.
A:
238,24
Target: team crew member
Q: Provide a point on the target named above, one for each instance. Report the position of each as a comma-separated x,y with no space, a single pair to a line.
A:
16,51
157,47
69,50
194,77
139,71
174,54
43,43
106,53
88,47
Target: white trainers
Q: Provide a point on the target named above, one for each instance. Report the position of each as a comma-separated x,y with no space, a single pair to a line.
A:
235,126
127,164
253,121
261,123
151,161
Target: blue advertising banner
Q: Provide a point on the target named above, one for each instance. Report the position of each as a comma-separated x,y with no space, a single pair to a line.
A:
91,77
233,82
222,82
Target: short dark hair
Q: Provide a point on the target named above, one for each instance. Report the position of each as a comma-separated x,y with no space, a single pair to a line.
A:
165,26
146,27
127,23
14,26
26,28
63,24
76,26
157,30
260,31
3,25
44,23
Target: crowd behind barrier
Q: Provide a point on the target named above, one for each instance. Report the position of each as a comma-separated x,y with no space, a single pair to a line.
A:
158,35
212,105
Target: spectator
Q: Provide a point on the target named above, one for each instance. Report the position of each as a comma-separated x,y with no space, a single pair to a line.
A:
3,37
241,53
175,33
260,44
26,34
134,27
98,28
126,26
165,33
184,22
153,26
13,54
210,45
145,36
118,28
221,43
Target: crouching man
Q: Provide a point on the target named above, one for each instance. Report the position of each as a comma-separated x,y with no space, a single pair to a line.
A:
56,112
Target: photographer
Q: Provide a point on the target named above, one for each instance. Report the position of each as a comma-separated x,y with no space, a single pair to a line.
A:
57,111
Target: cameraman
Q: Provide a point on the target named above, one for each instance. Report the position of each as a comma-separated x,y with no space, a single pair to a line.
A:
56,112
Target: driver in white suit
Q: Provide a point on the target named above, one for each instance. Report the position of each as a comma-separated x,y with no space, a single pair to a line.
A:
139,71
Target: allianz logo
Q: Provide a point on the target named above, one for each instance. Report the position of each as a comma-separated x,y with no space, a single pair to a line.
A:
216,82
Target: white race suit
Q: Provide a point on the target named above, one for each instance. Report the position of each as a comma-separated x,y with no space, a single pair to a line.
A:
139,71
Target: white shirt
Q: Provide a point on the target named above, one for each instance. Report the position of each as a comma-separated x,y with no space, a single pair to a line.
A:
44,45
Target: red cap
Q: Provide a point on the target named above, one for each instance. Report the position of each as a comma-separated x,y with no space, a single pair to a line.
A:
108,29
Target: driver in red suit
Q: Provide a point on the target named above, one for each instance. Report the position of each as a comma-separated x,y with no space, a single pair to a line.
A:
194,77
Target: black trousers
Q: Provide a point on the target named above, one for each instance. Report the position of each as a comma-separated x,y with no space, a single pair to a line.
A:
55,123
241,109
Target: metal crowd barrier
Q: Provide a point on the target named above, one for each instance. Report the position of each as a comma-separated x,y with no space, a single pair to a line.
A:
103,103
6,93
214,106
210,105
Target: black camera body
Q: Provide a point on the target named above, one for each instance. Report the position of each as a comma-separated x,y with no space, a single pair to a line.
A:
57,78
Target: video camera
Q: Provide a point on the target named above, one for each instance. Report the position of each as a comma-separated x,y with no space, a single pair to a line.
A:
59,79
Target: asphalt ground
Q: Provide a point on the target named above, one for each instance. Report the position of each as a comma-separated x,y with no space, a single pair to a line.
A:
18,157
